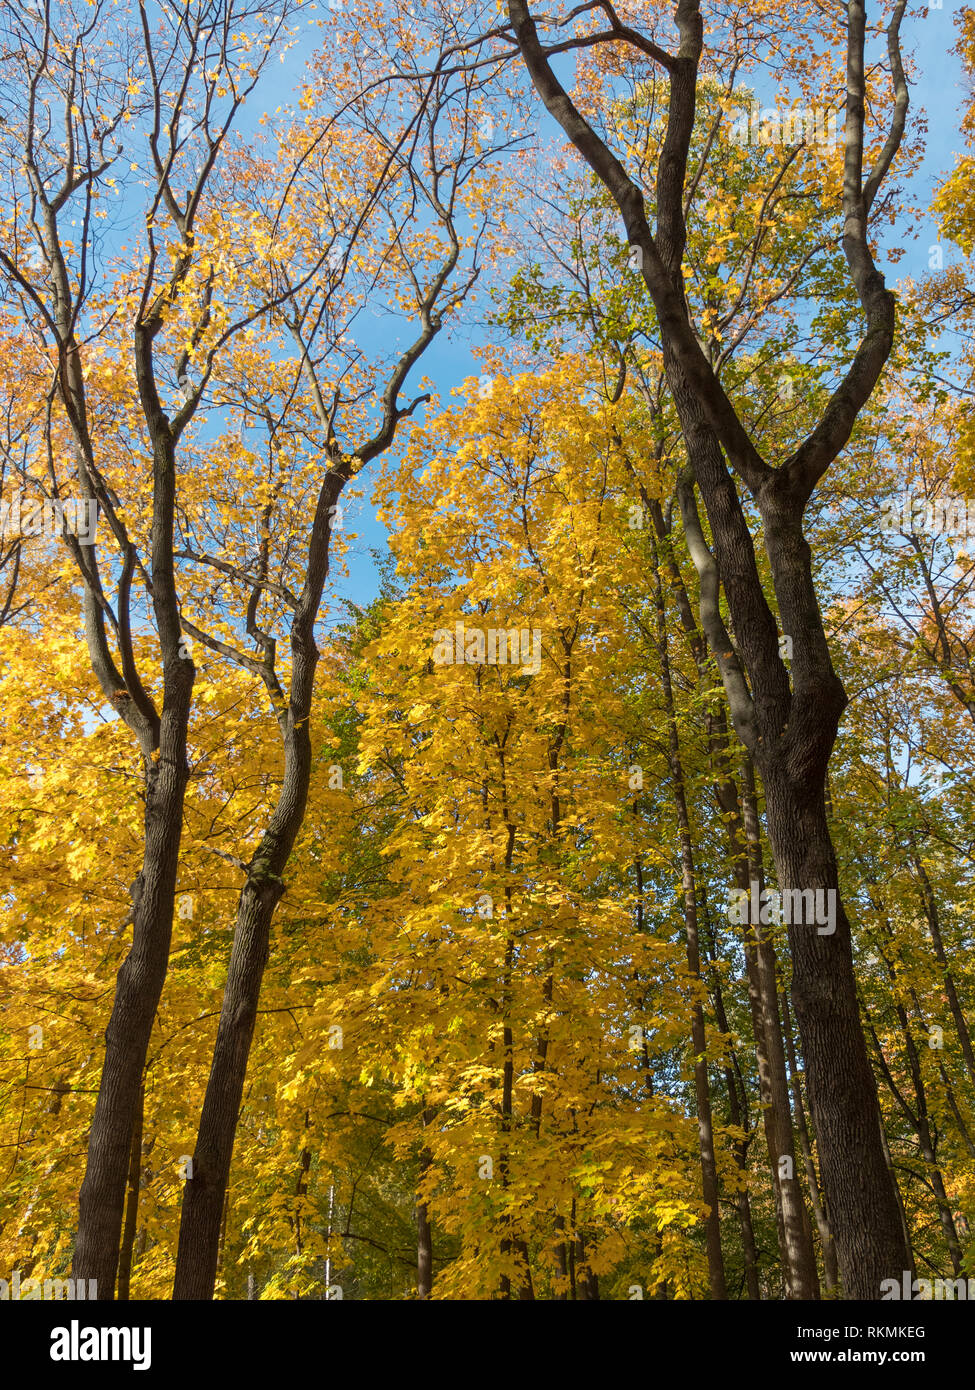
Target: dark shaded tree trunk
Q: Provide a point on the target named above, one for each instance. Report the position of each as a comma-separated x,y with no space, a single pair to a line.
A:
204,1193
424,1253
788,725
831,1269
162,743
839,1079
424,1235
740,813
131,1204
137,992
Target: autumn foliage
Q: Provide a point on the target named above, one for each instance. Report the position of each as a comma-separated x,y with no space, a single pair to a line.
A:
394,935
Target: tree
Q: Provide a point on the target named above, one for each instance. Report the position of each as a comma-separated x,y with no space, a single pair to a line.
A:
74,108
426,264
787,719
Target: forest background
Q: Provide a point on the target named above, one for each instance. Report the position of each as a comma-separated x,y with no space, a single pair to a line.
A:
335,968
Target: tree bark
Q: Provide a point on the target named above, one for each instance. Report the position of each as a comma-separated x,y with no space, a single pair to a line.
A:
137,992
831,1269
424,1235
131,1203
839,1080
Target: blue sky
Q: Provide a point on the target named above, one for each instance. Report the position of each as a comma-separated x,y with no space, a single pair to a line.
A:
938,91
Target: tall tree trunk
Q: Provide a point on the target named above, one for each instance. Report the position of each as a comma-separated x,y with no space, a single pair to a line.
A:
131,1203
204,1193
787,720
702,1089
137,992
424,1253
740,812
161,738
839,1079
424,1236
831,1269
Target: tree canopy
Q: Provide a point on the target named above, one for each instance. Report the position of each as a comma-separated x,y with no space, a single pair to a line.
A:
580,907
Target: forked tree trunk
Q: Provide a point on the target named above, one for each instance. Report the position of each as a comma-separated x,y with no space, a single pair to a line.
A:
787,720
204,1194
424,1235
